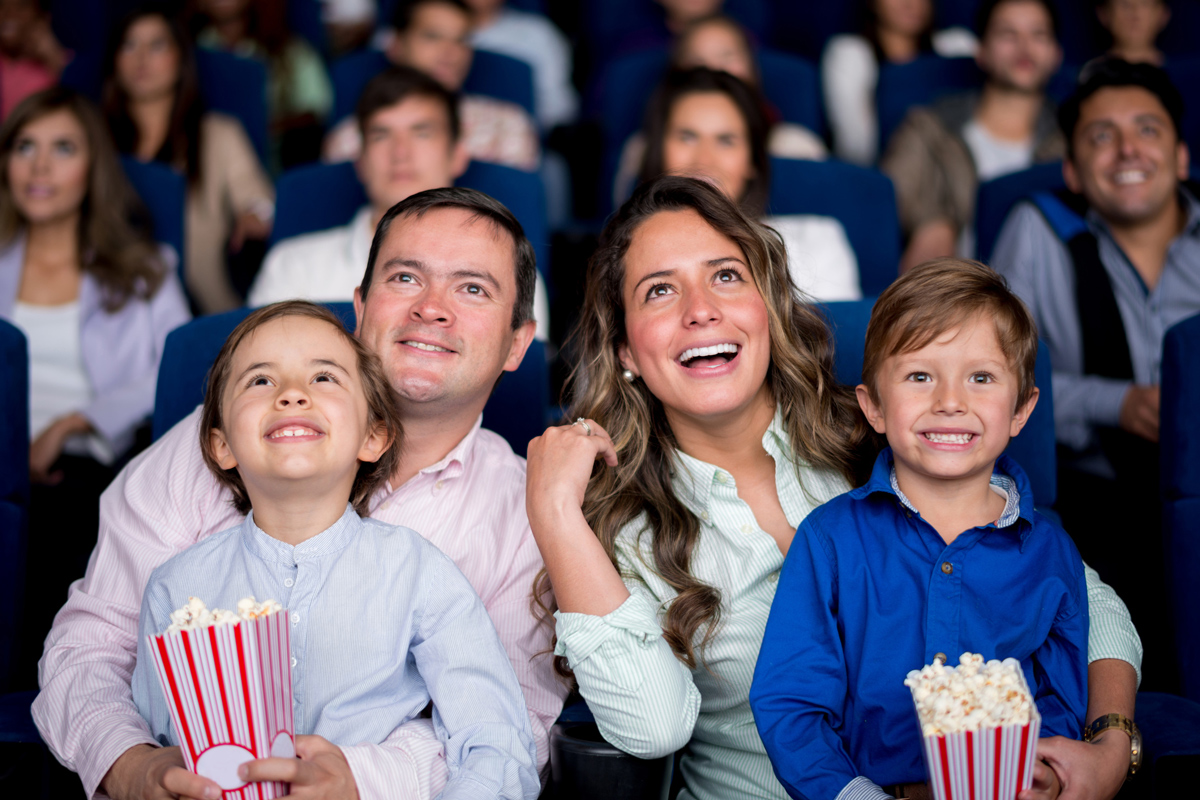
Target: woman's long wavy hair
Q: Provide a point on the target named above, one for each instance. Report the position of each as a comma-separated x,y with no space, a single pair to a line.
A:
821,416
115,243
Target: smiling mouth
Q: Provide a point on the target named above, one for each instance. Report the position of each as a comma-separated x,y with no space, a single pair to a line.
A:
293,431
1128,176
949,438
710,357
429,348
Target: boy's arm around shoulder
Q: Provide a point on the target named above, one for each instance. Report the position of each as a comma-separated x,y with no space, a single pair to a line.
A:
800,682
162,502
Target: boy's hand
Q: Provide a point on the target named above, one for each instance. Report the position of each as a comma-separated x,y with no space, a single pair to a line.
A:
155,773
320,772
1087,771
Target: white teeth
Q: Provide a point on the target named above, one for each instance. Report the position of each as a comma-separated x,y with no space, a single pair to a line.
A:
289,432
949,438
1129,176
711,350
433,348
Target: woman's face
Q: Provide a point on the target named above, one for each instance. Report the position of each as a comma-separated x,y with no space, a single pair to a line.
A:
906,17
48,168
707,138
147,62
696,327
717,46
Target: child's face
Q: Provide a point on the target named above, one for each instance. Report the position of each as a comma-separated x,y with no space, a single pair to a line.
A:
294,409
948,409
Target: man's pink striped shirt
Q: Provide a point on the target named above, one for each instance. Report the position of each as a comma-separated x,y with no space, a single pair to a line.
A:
471,505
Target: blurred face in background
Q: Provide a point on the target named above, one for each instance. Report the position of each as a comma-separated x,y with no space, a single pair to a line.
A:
147,62
1018,50
707,138
718,46
1134,23
224,10
48,168
17,18
437,43
681,12
904,17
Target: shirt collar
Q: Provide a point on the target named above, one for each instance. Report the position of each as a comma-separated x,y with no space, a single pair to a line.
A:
330,540
1007,477
1191,208
457,459
693,479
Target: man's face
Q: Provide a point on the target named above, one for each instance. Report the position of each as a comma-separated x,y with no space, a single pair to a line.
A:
439,309
437,43
1127,160
1018,50
407,149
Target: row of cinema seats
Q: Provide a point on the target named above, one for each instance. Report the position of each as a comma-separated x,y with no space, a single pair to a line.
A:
584,765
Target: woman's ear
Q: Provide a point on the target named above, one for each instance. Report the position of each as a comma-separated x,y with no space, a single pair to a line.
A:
220,449
626,359
375,445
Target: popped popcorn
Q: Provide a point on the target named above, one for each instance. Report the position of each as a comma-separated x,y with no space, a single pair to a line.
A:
197,615
971,696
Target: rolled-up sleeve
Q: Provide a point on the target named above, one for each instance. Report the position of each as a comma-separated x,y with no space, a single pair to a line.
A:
1110,631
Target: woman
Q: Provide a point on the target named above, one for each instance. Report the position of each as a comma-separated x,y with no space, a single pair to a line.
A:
894,32
706,386
96,301
152,103
710,124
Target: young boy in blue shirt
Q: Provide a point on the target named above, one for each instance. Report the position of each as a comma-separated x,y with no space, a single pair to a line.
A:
301,424
941,552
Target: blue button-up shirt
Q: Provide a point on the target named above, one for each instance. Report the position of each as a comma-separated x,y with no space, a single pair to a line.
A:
382,623
870,590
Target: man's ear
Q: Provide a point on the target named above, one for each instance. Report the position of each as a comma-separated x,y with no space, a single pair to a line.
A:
375,445
358,310
1021,416
1070,176
1183,160
870,408
522,338
220,449
460,159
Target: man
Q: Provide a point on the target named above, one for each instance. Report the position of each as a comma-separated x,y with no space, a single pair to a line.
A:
433,36
1103,292
445,302
939,155
410,125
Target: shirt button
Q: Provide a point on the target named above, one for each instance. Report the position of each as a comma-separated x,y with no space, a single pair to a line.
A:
293,662
722,477
947,567
704,516
936,657
437,485
295,619
747,528
288,582
773,577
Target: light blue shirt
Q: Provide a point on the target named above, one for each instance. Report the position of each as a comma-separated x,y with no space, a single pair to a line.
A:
382,623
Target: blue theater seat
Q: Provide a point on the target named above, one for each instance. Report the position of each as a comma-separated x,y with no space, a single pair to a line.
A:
14,487
998,196
163,192
236,86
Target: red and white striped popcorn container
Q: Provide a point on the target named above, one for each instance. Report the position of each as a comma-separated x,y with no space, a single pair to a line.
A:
229,690
992,763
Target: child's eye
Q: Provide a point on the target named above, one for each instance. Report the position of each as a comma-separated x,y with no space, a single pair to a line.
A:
981,377
259,380
325,377
919,377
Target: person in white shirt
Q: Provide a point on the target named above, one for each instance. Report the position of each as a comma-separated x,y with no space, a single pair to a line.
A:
409,124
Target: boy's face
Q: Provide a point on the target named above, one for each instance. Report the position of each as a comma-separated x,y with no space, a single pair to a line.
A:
294,410
948,409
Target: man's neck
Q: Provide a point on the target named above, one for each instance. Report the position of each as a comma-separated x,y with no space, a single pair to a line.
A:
429,437
897,48
1148,54
1146,242
1009,115
951,506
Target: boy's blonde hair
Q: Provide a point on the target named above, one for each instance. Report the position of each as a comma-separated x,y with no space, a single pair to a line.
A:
381,403
938,296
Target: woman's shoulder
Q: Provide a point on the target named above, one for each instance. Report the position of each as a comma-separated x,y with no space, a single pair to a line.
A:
848,48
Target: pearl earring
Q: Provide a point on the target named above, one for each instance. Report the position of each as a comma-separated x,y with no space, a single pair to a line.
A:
628,375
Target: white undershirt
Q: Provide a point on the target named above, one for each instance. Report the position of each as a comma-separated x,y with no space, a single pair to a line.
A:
993,157
58,381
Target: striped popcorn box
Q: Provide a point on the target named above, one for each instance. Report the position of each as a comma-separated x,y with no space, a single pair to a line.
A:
987,764
229,690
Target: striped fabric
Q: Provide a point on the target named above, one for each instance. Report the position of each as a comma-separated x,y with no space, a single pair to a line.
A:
648,703
471,505
366,656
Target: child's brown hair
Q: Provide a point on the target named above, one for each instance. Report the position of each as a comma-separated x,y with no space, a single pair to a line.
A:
381,403
938,296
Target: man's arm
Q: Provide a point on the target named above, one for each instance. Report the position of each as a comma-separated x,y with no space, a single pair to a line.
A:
162,502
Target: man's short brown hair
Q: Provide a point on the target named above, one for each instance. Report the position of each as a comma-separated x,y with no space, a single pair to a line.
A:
943,294
382,403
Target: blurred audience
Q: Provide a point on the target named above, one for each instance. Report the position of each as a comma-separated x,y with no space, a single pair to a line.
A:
299,94
410,129
671,19
1134,26
95,300
940,154
892,32
154,111
31,58
710,125
433,36
535,40
348,23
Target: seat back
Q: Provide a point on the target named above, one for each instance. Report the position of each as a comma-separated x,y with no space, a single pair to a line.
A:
997,197
163,192
1185,74
919,83
1179,436
349,75
1033,449
14,488
861,199
517,409
236,86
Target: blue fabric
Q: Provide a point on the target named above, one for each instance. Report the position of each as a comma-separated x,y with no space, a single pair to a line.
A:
163,192
349,75
997,197
864,597
236,86
366,655
14,488
1065,223
1180,452
861,199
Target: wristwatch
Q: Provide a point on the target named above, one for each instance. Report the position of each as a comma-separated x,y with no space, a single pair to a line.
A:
1125,725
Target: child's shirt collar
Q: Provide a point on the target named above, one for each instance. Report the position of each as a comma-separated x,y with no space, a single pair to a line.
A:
330,540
